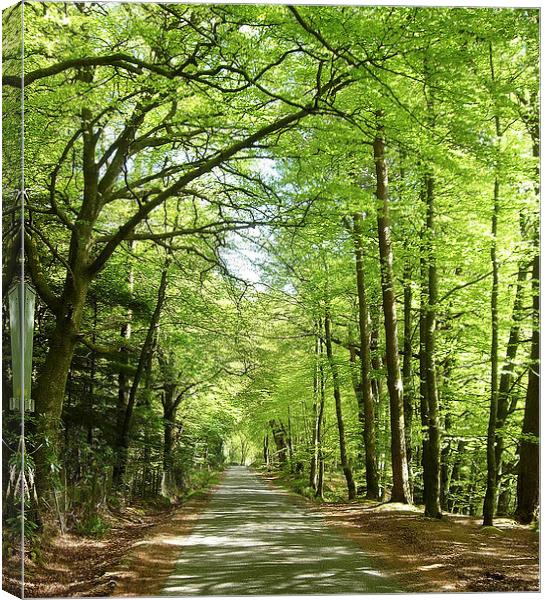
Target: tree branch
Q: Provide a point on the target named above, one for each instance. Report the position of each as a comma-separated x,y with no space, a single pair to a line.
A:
463,285
74,63
207,166
38,278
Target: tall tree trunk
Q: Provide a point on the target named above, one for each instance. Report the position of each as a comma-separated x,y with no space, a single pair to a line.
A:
455,486
146,458
471,508
266,451
376,381
357,387
92,373
123,375
423,387
168,485
445,475
318,411
122,441
314,440
320,479
351,488
407,346
401,489
289,440
446,467
51,385
507,371
490,499
279,437
320,426
509,469
372,482
432,459
528,468
406,361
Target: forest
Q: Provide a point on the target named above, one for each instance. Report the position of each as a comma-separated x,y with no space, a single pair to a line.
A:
302,238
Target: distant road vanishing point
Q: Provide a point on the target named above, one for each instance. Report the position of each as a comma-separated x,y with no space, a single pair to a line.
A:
251,539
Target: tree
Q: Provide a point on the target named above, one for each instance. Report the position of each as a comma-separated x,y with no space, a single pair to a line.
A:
347,471
528,469
102,158
400,490
222,205
372,486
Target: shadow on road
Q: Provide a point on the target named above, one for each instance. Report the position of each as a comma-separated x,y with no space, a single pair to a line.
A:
252,540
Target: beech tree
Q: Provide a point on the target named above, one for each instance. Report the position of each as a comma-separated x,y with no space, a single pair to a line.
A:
293,235
100,145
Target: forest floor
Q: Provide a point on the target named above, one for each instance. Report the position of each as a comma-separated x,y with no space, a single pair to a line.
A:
149,562
74,565
454,554
139,551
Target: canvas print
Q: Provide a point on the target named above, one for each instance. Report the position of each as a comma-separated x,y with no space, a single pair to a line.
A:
270,299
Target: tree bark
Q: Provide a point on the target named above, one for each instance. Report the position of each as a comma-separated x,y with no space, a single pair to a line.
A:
505,484
357,387
432,461
289,440
122,441
320,426
423,387
529,450
146,455
318,411
490,499
123,376
279,437
401,489
125,333
92,373
406,362
507,371
51,384
445,474
376,362
170,406
320,480
455,485
351,488
528,469
266,451
372,482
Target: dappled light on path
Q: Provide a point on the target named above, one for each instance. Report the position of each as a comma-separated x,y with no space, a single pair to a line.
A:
252,539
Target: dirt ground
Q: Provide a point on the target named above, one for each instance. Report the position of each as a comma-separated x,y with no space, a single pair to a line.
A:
126,561
145,568
454,554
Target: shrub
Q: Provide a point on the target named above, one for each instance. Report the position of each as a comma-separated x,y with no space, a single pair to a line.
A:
93,525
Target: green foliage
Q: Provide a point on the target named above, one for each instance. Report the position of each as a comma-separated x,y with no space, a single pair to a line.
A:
93,525
182,151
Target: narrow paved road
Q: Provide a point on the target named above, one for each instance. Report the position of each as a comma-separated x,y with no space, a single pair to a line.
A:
252,539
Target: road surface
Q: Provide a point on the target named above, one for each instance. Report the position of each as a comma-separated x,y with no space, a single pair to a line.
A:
253,539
